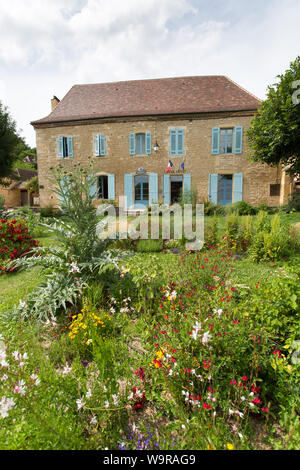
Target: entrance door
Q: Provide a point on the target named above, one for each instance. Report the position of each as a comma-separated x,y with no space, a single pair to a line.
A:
176,188
24,198
141,191
225,189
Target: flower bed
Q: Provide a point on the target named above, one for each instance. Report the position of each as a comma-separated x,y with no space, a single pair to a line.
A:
15,242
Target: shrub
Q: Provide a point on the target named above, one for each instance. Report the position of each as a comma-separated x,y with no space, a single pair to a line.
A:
272,241
15,242
49,211
2,208
241,208
149,246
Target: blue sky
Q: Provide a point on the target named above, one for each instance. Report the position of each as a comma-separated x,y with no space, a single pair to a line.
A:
46,46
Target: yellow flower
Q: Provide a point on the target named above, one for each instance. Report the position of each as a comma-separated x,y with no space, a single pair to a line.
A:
230,446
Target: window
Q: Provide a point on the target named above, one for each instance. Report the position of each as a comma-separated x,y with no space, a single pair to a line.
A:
226,140
65,147
99,145
140,143
177,142
274,189
103,187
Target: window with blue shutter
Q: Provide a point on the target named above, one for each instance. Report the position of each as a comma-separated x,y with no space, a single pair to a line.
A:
148,143
176,142
238,187
140,143
65,147
132,143
92,182
99,145
111,187
128,190
153,188
238,139
187,184
213,188
102,144
215,140
166,189
226,141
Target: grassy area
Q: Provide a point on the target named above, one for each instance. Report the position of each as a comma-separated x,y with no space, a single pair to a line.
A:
106,367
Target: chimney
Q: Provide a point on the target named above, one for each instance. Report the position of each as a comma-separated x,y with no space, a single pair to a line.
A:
54,102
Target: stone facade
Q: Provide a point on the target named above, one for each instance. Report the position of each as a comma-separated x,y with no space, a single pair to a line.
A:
199,162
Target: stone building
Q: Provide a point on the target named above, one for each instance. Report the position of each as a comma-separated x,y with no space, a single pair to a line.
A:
15,192
150,139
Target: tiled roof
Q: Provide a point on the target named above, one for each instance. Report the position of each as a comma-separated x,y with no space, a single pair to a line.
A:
161,96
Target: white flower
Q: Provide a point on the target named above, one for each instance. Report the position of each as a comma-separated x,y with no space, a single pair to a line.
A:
218,311
88,393
206,337
112,310
194,334
243,398
20,388
115,399
94,420
67,369
4,378
74,268
5,405
130,397
106,404
80,404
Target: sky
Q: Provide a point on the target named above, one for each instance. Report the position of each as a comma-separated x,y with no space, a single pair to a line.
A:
47,46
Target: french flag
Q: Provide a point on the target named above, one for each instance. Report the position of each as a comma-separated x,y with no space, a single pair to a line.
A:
169,166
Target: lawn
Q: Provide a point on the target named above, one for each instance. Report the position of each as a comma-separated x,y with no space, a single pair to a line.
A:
171,350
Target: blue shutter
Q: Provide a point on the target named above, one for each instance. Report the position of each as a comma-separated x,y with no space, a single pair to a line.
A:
148,143
186,184
102,144
132,143
70,146
180,142
96,146
128,190
215,140
64,186
92,182
166,189
111,187
238,187
213,188
238,139
61,147
153,188
173,142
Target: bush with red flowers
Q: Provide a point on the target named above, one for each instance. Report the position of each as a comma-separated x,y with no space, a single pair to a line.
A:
15,242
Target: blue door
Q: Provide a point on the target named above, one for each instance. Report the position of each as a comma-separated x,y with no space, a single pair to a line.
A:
141,191
225,189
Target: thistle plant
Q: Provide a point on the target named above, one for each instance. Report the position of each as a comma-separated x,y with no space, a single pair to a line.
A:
78,257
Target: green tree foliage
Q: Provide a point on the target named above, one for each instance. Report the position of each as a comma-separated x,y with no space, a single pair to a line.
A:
8,141
275,133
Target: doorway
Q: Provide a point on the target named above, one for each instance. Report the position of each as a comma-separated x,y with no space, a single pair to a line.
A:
225,189
176,188
141,190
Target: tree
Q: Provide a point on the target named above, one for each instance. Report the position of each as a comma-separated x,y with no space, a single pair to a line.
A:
275,133
8,141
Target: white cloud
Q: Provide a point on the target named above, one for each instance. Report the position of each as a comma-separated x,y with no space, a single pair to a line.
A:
46,47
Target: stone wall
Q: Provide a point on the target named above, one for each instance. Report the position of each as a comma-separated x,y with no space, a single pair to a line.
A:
198,159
